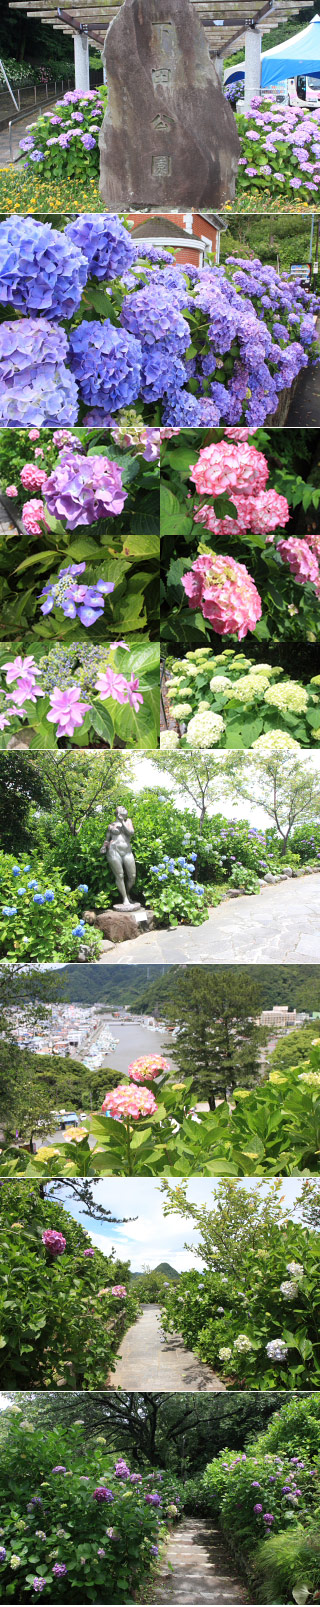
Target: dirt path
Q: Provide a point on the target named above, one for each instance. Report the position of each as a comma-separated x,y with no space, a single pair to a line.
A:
196,1567
150,1359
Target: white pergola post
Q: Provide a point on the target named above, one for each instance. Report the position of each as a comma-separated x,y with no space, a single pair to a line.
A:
252,66
81,62
219,66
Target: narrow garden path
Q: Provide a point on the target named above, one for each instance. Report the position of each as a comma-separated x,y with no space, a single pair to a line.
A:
197,1568
150,1359
279,925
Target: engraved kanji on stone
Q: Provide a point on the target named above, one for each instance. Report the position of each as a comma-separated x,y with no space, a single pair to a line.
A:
161,124
161,166
164,35
161,75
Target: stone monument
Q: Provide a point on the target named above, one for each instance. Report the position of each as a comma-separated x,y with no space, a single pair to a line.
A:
169,138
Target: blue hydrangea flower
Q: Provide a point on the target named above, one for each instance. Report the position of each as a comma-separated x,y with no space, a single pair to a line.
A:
83,887
20,891
35,385
105,243
38,898
82,602
16,870
41,270
78,931
7,909
107,364
32,885
49,897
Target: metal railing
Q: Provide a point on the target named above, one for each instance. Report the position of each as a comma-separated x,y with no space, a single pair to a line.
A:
48,92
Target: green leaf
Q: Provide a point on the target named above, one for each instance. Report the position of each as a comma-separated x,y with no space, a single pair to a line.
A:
83,548
46,553
143,546
102,723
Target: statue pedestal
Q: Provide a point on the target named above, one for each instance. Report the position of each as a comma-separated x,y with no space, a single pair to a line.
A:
121,923
127,908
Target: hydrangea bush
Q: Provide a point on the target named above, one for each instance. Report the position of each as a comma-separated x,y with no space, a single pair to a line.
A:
274,1128
40,920
280,152
258,705
64,142
65,1320
259,1331
186,346
267,1497
76,1520
243,576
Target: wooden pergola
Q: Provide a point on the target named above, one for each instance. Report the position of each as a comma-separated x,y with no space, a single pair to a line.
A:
228,27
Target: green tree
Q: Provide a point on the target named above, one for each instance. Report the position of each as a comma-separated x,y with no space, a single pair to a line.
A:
285,787
196,774
310,1203
177,1432
219,1041
78,786
294,1048
21,786
240,1220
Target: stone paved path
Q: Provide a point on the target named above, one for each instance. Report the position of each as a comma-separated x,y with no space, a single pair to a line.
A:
152,1360
280,925
201,1570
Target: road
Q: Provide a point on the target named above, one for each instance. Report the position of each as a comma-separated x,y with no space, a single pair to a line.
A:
151,1360
281,925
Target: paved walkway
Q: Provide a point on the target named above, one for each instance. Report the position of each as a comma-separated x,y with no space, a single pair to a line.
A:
19,129
197,1568
151,1360
305,405
280,925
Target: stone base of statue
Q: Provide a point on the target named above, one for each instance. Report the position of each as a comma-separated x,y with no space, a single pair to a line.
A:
127,907
122,923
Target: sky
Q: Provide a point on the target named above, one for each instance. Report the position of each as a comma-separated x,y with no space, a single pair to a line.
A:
145,774
153,1237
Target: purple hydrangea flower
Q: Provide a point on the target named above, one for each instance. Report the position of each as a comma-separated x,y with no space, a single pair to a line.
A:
82,489
107,363
104,241
40,269
82,602
102,1493
36,387
60,1570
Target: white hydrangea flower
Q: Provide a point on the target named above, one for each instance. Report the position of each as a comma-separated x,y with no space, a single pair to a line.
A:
243,1343
289,1290
277,1350
296,1268
220,683
224,1353
203,705
205,730
274,742
181,710
249,687
311,1078
168,740
290,696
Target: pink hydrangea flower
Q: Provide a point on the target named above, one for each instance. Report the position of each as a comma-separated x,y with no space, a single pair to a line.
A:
229,467
147,1067
124,1102
21,666
34,435
261,513
119,1290
67,710
225,592
11,491
33,515
32,478
302,561
109,683
54,1242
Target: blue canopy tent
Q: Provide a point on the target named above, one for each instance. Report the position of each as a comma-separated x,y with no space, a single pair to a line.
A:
300,55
